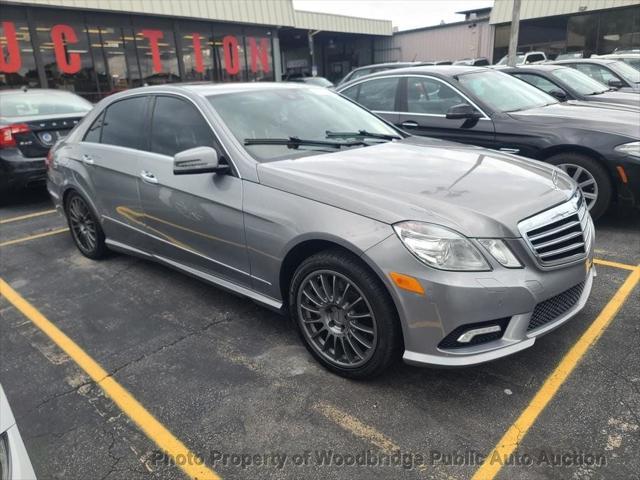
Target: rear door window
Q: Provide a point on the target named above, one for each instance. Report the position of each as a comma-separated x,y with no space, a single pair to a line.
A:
428,96
177,125
379,94
95,130
125,123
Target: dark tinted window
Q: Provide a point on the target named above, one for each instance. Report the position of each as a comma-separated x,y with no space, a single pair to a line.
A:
538,81
379,94
124,124
426,95
178,126
93,134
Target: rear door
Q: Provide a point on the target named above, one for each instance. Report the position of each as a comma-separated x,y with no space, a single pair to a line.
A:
193,220
423,105
378,95
110,154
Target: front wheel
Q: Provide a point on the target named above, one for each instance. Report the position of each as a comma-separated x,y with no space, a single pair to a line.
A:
591,177
344,315
85,228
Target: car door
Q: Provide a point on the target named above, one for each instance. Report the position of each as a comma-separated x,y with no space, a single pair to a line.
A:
423,105
598,72
111,152
378,95
193,220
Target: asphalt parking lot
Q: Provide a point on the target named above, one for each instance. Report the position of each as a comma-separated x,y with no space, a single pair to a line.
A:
231,383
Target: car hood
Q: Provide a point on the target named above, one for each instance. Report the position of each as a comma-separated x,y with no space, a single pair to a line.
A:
586,116
475,191
615,99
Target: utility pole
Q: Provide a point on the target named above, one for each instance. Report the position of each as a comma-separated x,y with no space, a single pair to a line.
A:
515,29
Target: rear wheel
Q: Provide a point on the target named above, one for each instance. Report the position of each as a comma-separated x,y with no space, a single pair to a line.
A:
85,228
591,177
344,315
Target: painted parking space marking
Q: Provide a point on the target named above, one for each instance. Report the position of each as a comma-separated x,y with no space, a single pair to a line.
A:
34,237
27,216
118,394
608,263
516,432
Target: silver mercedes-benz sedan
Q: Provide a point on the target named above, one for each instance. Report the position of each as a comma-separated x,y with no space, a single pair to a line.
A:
377,244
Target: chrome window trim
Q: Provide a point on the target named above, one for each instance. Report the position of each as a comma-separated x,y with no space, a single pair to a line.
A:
419,75
177,94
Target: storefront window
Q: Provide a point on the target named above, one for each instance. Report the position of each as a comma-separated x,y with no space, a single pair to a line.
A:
17,62
156,48
230,59
259,55
197,50
619,29
582,34
64,49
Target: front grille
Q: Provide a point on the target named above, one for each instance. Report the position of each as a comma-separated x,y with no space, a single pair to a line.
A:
554,307
559,235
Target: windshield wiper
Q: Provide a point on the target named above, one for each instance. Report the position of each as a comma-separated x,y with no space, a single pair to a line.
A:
295,142
362,134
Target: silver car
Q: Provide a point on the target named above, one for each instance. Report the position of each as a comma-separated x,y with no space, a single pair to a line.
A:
377,244
14,460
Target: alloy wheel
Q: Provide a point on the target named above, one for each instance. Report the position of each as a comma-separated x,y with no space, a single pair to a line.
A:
585,180
337,318
82,224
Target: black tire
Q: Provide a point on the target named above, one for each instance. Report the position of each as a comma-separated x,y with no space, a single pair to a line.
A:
387,339
85,228
597,171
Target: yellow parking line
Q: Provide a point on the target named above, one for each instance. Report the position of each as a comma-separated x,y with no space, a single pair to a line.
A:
355,426
33,237
516,432
25,217
608,263
121,397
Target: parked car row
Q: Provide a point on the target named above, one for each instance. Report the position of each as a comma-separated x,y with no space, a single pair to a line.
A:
599,147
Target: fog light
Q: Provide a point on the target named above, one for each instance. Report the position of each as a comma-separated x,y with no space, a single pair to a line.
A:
467,336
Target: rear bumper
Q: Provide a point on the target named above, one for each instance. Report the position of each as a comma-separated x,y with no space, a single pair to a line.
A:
17,171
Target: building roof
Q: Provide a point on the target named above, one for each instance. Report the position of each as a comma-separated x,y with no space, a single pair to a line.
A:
475,10
277,13
529,9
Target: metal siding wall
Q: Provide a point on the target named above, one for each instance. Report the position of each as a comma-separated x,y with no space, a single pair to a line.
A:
264,12
501,12
446,43
340,23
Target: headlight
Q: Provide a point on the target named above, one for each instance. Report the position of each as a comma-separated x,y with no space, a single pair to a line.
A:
5,472
632,149
501,252
440,247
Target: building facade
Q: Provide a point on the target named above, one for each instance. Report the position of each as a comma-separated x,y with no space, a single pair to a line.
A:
95,48
556,27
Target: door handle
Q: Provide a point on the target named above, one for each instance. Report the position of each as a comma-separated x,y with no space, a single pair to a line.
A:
409,124
88,159
148,177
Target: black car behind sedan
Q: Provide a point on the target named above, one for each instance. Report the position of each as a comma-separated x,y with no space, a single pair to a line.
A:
31,122
611,72
565,83
598,147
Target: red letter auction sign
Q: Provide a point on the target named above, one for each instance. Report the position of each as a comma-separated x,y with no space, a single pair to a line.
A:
197,52
11,62
154,36
230,53
62,35
261,53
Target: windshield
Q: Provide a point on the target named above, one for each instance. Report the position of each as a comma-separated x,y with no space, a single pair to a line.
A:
578,81
286,112
626,71
504,93
503,60
26,104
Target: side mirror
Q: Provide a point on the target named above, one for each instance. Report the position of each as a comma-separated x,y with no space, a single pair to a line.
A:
560,95
615,83
462,111
197,160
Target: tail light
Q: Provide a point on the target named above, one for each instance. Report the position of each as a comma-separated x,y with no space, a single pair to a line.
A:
48,161
7,138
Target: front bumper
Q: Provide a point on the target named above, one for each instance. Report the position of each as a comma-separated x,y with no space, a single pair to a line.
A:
455,299
628,188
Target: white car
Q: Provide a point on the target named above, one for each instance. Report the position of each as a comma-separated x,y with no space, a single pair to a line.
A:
14,461
525,58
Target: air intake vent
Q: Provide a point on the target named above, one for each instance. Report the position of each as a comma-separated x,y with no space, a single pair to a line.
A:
554,307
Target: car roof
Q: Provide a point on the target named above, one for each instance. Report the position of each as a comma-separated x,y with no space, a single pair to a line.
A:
601,61
208,88
388,64
541,67
27,91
